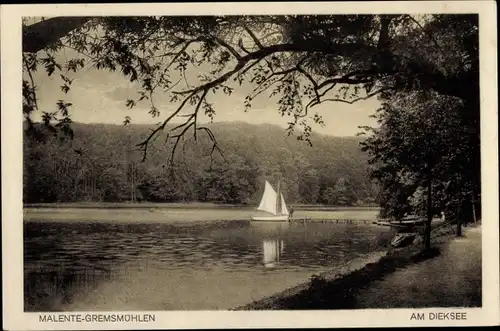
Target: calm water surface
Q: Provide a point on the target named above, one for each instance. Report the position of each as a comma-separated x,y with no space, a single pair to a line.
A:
165,265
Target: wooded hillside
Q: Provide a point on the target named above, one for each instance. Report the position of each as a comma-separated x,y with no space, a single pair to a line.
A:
102,164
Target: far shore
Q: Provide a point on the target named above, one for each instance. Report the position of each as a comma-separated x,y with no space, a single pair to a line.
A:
166,212
200,205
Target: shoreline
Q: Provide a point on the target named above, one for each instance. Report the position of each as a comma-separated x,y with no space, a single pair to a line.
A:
344,280
270,302
37,217
184,213
194,205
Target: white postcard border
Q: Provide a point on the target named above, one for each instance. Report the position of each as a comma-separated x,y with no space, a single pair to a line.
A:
14,316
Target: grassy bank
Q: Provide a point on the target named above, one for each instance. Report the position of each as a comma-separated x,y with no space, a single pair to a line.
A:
337,289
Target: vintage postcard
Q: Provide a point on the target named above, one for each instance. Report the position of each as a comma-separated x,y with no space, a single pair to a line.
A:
228,165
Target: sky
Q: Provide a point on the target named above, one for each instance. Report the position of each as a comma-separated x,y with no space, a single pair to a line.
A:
99,97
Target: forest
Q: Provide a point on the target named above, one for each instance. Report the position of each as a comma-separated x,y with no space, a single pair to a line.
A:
102,163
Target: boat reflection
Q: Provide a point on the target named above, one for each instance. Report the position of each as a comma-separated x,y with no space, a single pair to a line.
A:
272,250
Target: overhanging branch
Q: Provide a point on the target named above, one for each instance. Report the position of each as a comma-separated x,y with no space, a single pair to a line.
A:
45,33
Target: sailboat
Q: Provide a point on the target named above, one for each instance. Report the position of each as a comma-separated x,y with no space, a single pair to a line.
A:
274,204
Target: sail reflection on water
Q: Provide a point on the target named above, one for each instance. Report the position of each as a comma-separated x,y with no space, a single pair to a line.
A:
272,250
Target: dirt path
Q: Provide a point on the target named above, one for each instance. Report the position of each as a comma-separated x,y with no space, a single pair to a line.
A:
453,279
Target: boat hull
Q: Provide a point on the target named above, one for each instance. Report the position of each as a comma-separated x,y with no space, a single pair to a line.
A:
277,218
402,224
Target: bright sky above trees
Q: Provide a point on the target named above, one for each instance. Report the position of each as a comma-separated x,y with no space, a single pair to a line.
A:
99,96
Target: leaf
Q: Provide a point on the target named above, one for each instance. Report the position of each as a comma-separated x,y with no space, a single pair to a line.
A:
65,88
154,112
66,79
127,120
130,103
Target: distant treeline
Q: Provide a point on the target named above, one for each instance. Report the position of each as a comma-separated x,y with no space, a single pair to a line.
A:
102,163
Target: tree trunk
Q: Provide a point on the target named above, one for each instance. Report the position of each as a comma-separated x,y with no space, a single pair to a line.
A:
132,185
474,217
459,218
474,200
427,228
459,224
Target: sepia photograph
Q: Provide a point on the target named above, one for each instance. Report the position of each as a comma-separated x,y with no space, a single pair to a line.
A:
251,162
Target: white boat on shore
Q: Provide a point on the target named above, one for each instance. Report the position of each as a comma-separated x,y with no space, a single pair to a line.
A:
273,204
403,223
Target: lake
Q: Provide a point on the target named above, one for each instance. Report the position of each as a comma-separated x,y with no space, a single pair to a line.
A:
179,259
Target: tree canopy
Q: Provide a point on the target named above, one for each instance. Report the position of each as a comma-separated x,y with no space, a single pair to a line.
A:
426,150
300,61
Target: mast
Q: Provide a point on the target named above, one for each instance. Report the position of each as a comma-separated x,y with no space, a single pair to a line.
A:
278,200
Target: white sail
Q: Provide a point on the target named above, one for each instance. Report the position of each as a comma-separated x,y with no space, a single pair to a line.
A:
268,202
284,210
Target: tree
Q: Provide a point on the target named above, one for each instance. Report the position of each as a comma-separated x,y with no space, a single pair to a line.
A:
113,185
37,176
341,194
417,149
231,182
309,186
161,186
328,196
